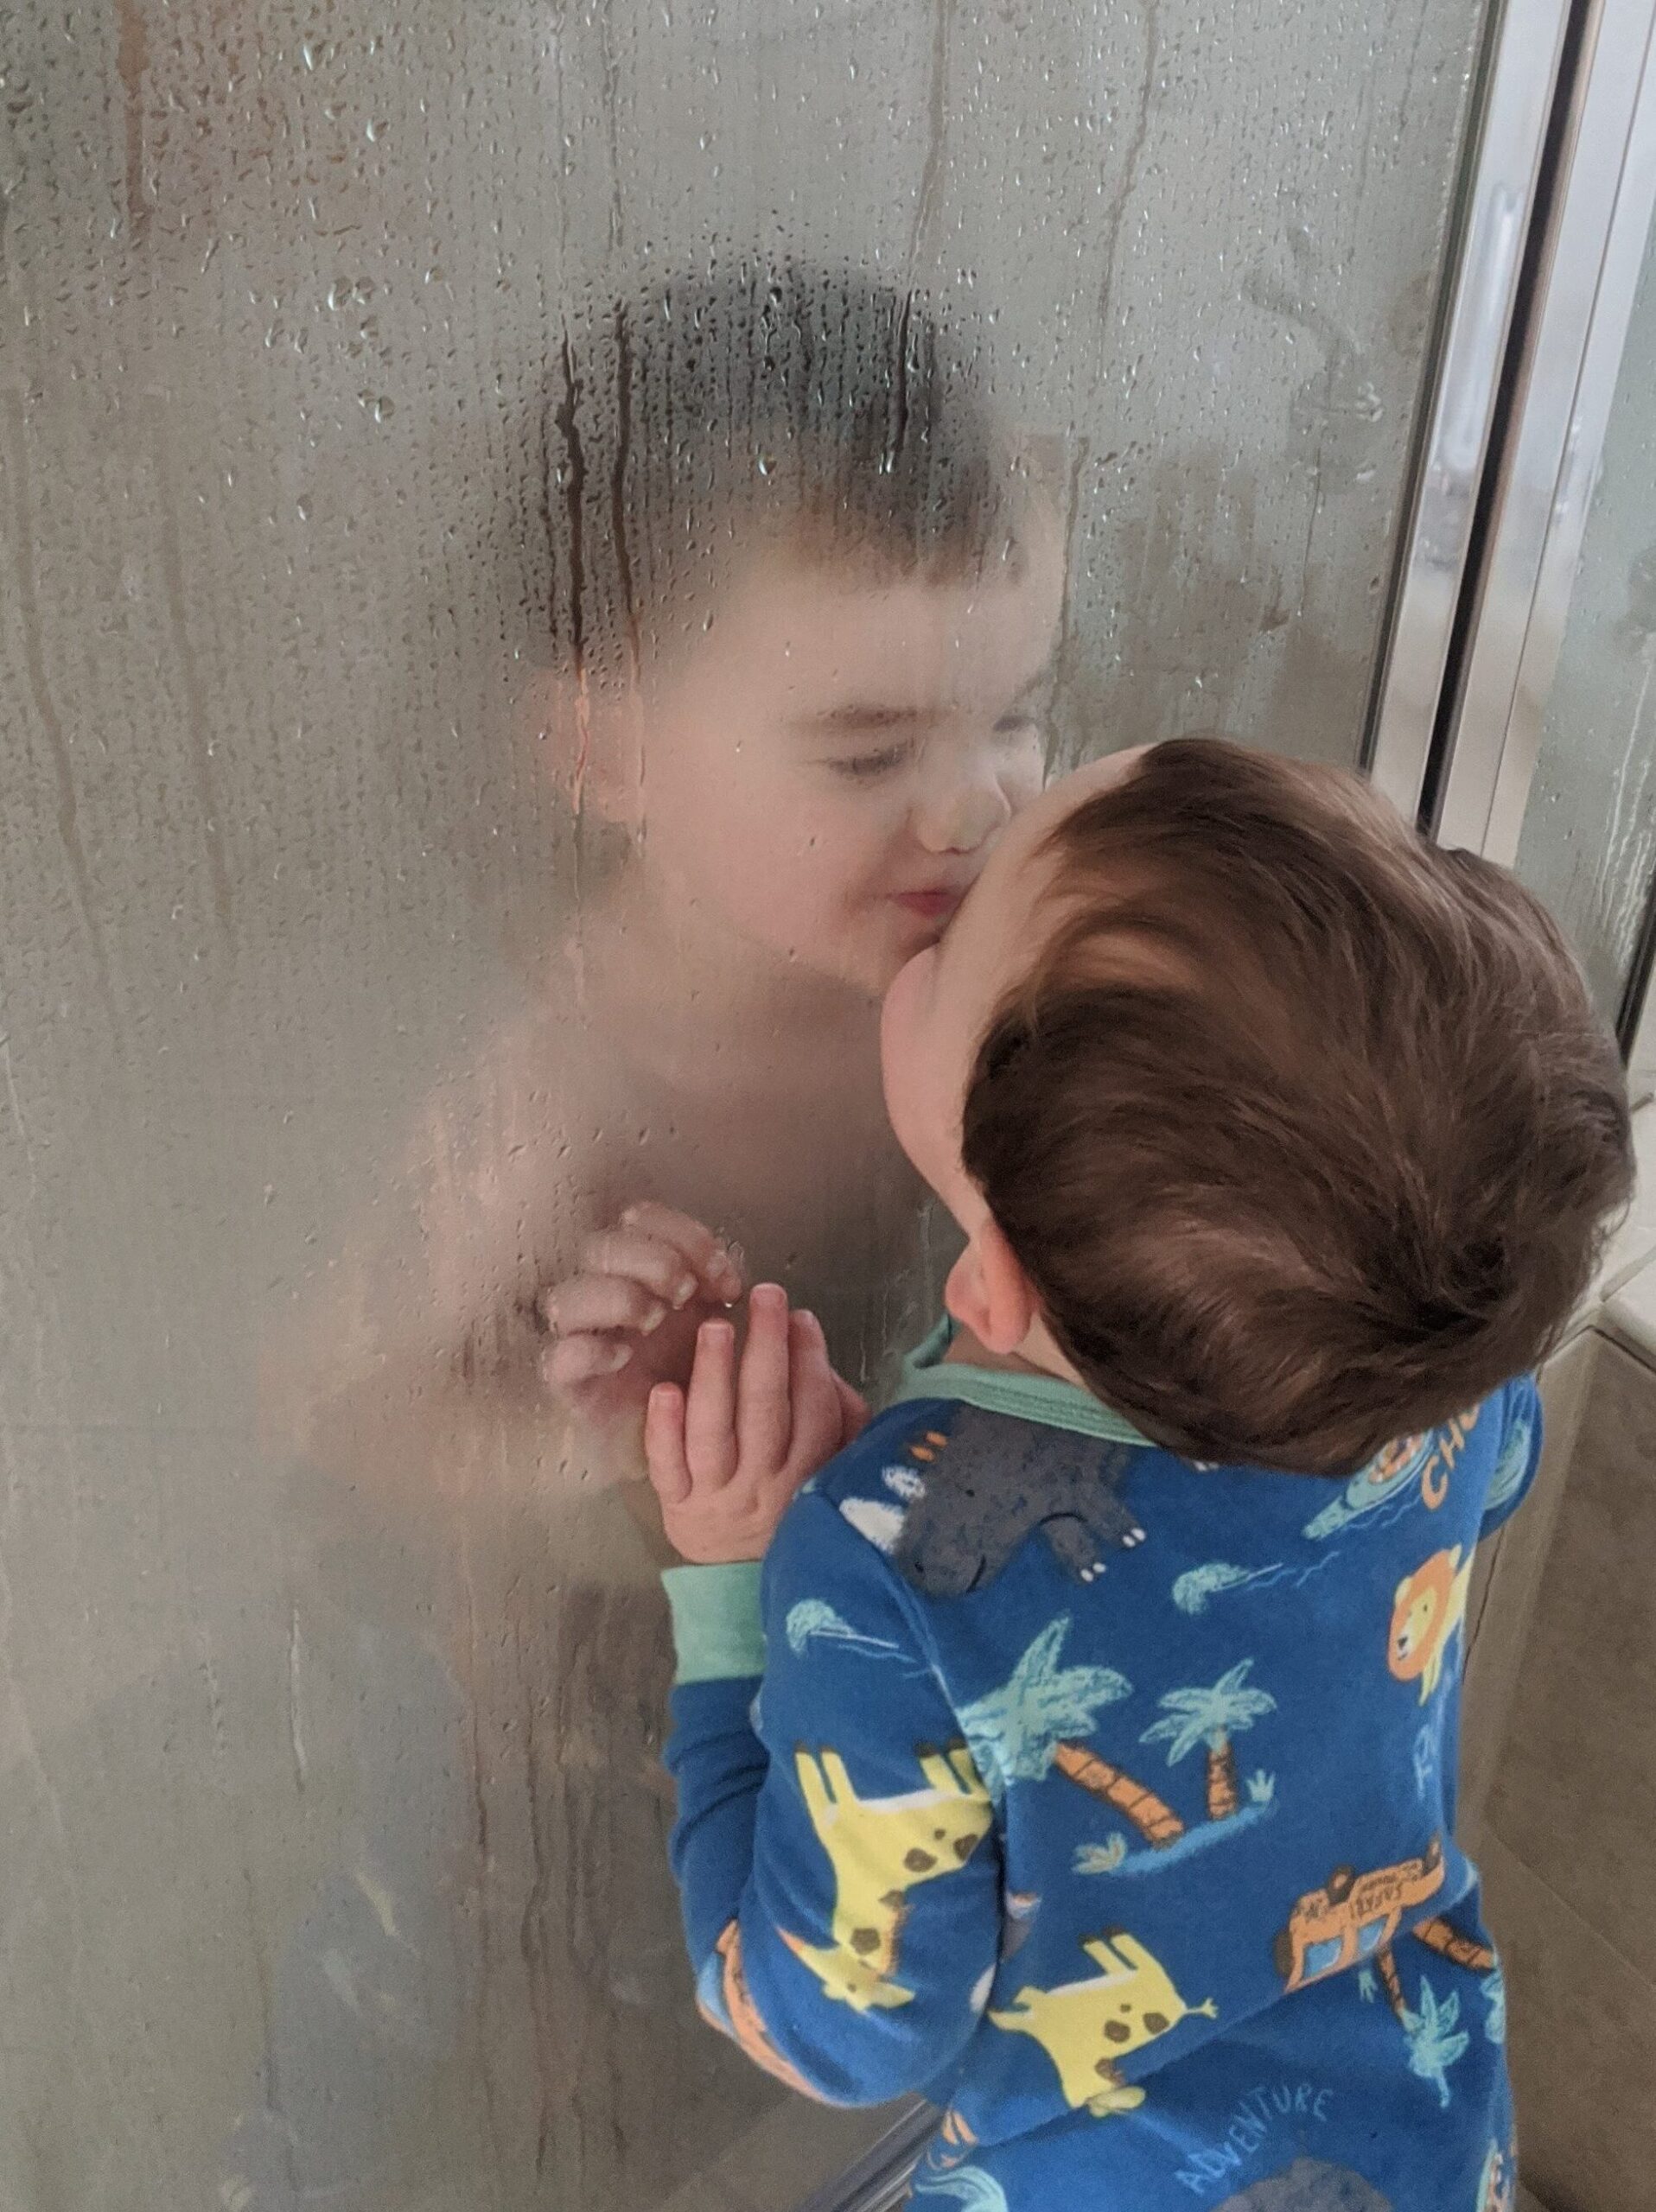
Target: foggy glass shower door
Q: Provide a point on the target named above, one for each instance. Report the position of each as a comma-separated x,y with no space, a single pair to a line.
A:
331,1661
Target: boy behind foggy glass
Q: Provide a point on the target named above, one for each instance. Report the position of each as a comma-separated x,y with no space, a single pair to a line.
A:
804,600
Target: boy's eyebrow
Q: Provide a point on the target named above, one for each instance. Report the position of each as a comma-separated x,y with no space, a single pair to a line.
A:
856,716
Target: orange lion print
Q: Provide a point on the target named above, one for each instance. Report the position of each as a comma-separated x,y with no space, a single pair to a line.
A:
1428,1611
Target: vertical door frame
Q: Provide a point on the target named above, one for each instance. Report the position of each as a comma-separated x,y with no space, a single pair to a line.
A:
1595,192
1569,372
1526,58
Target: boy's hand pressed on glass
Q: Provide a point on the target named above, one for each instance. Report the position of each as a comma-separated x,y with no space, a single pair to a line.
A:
627,1319
727,1455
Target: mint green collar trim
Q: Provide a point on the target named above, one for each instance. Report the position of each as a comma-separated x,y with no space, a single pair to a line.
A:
1027,1397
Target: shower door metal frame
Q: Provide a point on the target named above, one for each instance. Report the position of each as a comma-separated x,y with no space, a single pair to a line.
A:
1570,373
1526,58
1457,718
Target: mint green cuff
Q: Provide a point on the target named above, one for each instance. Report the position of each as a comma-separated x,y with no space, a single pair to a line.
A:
717,1629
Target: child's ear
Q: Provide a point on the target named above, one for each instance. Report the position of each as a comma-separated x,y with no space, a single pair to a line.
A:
989,1292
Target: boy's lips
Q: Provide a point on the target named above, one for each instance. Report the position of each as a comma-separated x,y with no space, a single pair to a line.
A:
934,905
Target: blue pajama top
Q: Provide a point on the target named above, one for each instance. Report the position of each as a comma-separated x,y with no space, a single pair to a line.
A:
1108,1801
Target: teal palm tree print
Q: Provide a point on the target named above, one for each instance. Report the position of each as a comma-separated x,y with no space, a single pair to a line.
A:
1214,1716
1435,2038
1014,1731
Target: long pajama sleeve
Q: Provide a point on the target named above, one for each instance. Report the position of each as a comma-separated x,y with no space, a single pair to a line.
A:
835,1848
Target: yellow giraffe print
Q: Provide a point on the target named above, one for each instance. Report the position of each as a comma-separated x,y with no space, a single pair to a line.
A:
1084,2026
880,1848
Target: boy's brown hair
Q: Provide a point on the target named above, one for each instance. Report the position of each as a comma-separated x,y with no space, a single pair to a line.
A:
1304,1130
818,405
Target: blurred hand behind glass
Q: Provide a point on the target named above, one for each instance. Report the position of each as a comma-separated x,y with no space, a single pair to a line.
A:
626,1317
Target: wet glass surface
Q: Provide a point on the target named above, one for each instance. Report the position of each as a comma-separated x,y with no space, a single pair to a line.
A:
538,547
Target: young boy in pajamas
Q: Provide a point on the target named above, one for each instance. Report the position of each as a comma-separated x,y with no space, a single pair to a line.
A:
1083,1753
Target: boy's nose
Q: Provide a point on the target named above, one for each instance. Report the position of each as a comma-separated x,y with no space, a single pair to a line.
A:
960,809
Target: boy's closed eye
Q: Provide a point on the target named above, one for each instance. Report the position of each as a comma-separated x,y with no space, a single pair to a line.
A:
872,740
864,767
1016,725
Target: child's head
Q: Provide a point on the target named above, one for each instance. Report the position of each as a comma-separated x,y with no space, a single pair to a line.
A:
807,596
1286,1131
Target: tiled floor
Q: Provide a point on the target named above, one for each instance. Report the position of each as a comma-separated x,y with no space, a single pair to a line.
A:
795,2149
1583,2031
1568,1834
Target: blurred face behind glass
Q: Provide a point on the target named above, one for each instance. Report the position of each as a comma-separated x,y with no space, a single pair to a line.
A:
820,772
939,1008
